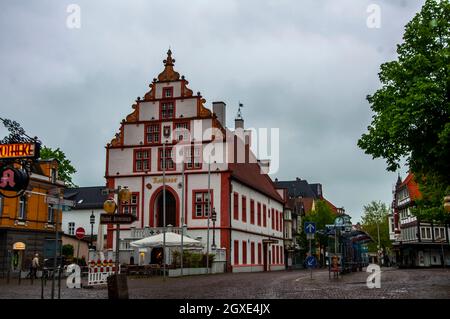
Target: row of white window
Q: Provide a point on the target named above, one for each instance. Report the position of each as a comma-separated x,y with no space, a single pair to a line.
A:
410,233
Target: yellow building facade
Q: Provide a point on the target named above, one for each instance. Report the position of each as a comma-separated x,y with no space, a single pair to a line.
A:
28,224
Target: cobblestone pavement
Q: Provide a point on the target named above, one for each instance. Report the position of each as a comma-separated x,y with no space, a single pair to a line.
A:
395,284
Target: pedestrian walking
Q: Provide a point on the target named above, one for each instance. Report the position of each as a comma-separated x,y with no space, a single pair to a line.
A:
34,266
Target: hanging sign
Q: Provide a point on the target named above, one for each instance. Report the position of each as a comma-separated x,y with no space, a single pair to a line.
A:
117,218
19,150
13,179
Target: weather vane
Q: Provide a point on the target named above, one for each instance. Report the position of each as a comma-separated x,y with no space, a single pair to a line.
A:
239,114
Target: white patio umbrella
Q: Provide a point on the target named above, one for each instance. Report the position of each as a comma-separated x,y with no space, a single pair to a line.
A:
172,240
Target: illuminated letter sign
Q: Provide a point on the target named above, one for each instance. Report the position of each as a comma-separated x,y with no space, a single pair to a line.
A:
19,150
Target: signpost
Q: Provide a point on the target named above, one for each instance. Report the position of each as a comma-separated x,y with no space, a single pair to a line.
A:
117,283
79,233
310,230
116,218
60,203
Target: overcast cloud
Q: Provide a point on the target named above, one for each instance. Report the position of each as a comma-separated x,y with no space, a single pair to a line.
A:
303,66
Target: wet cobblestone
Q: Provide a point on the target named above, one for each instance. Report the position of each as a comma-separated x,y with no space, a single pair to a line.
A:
395,284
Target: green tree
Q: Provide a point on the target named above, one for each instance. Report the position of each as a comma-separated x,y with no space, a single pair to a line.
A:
65,168
412,107
322,215
67,250
376,218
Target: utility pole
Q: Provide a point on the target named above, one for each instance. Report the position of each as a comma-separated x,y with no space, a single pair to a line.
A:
310,253
209,214
379,245
164,208
56,253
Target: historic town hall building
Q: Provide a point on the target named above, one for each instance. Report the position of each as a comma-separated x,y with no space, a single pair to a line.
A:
171,127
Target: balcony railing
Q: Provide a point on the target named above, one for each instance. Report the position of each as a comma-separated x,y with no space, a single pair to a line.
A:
139,233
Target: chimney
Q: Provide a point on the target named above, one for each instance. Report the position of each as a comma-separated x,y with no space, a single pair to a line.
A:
219,110
239,123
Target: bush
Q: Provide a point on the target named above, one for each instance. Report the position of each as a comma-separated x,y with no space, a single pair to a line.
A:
67,250
191,259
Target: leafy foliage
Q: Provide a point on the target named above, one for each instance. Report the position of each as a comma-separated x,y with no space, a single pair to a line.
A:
65,168
67,250
431,206
376,216
191,259
322,215
412,108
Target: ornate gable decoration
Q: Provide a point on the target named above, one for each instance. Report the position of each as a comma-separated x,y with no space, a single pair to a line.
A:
134,116
169,74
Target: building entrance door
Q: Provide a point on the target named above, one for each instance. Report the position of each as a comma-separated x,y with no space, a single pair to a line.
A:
265,250
157,255
171,210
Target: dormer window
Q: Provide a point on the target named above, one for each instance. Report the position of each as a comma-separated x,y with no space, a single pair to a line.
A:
54,175
167,110
167,93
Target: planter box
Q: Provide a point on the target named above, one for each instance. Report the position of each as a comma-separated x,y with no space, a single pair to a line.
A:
187,272
216,268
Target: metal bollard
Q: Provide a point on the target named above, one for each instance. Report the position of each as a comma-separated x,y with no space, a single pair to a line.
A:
117,286
20,276
59,283
42,286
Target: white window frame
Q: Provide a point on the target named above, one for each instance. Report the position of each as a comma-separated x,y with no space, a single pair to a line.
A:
425,232
22,208
51,213
71,229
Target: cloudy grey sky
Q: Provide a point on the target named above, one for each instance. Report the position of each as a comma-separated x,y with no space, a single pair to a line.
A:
303,66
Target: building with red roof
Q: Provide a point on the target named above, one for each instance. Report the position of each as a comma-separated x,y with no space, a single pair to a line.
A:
171,132
417,243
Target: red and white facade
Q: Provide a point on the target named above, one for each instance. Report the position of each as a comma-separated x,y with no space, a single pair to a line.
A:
249,209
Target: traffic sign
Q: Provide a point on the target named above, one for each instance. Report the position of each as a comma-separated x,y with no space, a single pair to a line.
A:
59,201
309,236
311,262
116,218
80,232
310,227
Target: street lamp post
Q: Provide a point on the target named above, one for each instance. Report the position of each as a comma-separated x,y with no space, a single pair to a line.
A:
92,221
164,157
124,195
214,218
